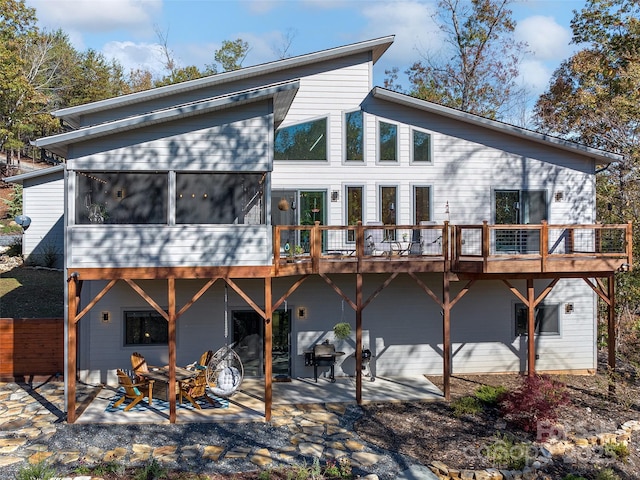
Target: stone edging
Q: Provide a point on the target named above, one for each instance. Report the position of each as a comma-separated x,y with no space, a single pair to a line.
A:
558,446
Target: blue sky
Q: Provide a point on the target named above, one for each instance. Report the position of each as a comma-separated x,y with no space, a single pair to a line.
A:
126,29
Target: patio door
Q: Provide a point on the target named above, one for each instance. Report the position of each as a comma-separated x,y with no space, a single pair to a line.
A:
248,338
517,207
298,207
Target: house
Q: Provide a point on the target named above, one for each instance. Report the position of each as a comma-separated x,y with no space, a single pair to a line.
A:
296,192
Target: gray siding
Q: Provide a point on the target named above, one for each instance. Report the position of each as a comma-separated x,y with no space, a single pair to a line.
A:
44,202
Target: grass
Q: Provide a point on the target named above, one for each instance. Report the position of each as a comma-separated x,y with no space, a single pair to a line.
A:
30,293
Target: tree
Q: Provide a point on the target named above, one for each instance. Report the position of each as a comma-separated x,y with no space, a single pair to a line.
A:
231,54
594,98
480,74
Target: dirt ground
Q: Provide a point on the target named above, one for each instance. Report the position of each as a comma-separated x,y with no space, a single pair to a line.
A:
428,432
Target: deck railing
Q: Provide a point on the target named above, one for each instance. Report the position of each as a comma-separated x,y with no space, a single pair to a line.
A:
469,248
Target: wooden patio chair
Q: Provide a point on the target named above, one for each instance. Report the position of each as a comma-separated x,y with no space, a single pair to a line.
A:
136,392
139,366
196,387
202,362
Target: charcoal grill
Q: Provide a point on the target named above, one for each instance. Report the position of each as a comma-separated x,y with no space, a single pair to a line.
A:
322,355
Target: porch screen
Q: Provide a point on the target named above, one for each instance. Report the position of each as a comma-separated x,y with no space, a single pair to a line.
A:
220,198
121,197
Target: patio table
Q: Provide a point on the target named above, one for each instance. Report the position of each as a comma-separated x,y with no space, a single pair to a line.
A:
161,377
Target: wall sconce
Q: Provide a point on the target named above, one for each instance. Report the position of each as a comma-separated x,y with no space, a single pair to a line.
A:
568,308
625,267
301,312
23,221
335,195
105,317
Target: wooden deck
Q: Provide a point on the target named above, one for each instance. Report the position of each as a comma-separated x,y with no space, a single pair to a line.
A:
545,250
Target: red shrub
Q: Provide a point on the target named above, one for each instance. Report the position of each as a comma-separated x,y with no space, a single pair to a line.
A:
536,400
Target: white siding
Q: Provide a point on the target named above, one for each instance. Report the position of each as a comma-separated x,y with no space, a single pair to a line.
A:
43,202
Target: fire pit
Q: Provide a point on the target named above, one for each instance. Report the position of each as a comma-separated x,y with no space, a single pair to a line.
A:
322,355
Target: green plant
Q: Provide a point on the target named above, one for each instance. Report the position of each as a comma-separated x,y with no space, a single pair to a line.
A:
538,399
331,469
46,255
344,463
618,451
571,476
489,395
298,250
466,406
37,471
506,452
151,471
316,469
265,475
342,330
607,474
15,202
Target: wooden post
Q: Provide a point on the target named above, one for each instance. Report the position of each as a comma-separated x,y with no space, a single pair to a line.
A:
172,348
611,330
268,349
359,336
486,245
72,347
544,246
446,335
316,246
445,246
531,328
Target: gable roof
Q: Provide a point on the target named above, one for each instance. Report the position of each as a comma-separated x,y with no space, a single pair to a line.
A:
600,156
377,47
282,94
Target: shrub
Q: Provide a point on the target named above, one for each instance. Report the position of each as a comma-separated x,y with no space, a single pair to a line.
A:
466,406
607,474
507,452
537,399
15,202
571,476
618,451
151,471
490,395
37,471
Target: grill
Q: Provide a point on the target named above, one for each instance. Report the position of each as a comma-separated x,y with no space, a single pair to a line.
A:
322,355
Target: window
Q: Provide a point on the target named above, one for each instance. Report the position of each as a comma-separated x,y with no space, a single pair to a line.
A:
421,146
354,210
305,141
220,198
388,142
422,204
546,319
354,129
388,212
119,197
145,327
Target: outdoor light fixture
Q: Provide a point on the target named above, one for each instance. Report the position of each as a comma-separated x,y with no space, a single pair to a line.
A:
625,267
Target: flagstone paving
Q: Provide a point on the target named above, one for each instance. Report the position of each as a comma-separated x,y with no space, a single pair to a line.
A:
33,429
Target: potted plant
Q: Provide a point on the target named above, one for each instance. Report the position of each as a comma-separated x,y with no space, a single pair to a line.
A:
341,330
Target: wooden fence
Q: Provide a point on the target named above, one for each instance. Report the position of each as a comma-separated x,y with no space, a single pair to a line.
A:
31,347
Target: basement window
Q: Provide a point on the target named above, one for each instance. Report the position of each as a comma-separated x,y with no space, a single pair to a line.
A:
547,320
145,327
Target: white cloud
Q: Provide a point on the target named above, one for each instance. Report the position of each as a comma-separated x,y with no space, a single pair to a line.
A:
134,56
96,15
546,38
535,76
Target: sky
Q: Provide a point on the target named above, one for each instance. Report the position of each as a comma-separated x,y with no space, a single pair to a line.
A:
127,30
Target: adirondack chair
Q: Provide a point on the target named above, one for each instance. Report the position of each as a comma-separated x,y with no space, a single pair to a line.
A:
135,392
139,366
196,387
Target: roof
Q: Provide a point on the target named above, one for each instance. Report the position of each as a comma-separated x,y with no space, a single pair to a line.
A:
282,93
34,174
377,47
601,156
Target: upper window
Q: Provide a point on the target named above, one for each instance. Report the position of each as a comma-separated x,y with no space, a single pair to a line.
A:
119,197
305,141
388,142
220,198
145,327
354,136
547,320
421,146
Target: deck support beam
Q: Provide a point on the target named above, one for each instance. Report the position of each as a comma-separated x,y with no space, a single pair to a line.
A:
531,328
359,307
171,296
72,346
268,349
611,331
446,336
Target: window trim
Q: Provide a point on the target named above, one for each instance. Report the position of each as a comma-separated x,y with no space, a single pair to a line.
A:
379,145
345,139
413,201
554,306
326,117
412,159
